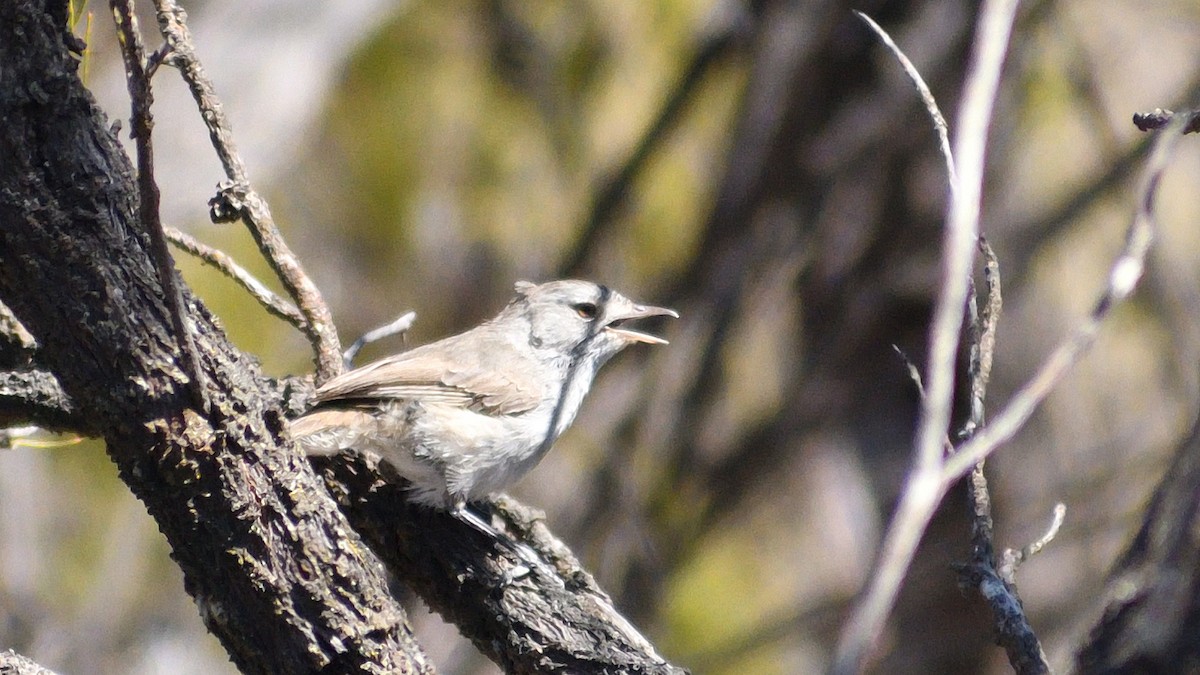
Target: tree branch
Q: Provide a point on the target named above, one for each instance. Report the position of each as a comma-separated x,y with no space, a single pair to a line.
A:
224,262
924,490
535,624
279,576
34,396
1149,620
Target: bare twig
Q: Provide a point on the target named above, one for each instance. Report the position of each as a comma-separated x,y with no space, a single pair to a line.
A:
1123,278
400,325
1013,558
225,263
1160,119
982,573
982,329
990,317
962,226
236,198
133,52
924,488
996,585
914,373
935,113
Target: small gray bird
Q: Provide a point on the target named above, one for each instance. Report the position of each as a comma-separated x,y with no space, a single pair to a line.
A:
468,415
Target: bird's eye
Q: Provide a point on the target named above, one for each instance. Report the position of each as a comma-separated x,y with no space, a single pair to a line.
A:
586,310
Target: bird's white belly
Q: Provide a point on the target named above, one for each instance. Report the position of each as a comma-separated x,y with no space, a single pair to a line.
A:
478,454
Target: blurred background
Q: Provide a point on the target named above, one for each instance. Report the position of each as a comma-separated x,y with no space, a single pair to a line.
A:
765,168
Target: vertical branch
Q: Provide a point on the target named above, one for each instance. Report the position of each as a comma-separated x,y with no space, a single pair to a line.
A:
142,122
236,198
1013,630
962,224
924,488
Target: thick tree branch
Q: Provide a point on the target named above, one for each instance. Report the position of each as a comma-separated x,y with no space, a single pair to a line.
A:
279,576
562,623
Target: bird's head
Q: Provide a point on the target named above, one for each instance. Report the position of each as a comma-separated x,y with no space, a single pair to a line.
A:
581,317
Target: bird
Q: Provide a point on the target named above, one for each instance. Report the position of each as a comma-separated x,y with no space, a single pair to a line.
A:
468,415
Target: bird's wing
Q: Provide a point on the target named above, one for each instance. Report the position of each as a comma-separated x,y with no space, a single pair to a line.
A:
491,380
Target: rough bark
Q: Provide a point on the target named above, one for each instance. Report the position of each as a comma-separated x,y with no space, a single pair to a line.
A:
546,621
279,576
275,568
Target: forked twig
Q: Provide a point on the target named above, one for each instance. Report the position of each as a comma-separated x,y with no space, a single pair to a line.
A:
236,198
924,490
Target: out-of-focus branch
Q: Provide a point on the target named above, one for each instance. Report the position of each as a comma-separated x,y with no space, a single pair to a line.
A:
614,189
1148,623
236,198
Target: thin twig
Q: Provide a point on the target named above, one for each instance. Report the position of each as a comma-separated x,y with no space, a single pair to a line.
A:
914,373
982,573
978,497
1013,559
982,330
931,107
400,325
924,489
236,198
133,52
990,316
962,222
1123,278
225,263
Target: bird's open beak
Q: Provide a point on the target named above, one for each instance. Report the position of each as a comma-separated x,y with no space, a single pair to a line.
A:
616,325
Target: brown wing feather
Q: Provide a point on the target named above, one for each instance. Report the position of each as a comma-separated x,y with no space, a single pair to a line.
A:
486,374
